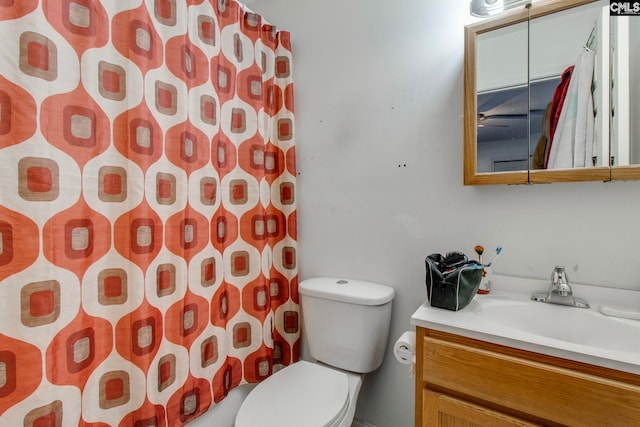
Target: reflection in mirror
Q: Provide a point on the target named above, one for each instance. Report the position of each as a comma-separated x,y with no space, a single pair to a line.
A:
625,91
503,126
541,97
513,131
567,48
501,85
508,90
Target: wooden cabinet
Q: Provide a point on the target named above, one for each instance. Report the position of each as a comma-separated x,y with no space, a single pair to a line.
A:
464,382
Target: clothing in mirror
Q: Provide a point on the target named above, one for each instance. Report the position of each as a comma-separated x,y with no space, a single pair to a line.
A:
570,48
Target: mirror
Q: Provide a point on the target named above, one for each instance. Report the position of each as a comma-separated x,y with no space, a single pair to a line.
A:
502,100
625,97
516,68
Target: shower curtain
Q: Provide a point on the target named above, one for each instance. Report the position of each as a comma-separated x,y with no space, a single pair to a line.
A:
147,209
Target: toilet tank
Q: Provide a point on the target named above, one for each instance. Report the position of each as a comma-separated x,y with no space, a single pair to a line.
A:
346,322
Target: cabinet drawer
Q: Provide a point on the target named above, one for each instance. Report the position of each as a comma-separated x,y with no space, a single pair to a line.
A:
442,410
517,385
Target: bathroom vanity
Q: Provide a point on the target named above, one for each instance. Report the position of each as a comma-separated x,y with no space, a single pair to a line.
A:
474,368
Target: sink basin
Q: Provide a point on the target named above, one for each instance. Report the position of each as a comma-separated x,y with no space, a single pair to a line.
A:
585,327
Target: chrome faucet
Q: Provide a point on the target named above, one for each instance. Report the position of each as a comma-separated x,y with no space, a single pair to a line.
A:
560,291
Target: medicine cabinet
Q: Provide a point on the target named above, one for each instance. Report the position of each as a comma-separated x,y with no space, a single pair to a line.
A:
520,68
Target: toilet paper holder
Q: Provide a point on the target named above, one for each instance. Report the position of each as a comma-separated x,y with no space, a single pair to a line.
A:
405,350
406,356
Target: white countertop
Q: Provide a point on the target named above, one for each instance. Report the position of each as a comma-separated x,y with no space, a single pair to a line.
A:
471,323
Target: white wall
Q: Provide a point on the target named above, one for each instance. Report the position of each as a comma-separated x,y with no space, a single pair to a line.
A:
634,92
378,97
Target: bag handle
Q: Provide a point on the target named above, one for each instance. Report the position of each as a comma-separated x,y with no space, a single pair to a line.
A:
450,261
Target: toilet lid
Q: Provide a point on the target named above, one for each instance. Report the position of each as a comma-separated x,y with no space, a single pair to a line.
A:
301,394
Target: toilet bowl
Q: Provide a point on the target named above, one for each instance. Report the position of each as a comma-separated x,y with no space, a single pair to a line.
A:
303,394
347,326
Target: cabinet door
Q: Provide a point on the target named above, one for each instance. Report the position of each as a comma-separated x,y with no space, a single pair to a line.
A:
440,410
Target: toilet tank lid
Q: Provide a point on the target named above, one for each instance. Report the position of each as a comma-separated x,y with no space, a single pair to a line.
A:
347,290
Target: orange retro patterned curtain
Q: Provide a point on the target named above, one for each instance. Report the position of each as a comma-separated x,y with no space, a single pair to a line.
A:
147,209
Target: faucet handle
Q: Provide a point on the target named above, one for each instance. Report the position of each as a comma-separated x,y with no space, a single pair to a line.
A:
560,281
559,275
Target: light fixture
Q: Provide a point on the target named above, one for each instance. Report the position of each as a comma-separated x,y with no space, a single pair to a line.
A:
485,8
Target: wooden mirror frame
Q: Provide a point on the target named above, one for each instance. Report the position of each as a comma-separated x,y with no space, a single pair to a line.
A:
471,175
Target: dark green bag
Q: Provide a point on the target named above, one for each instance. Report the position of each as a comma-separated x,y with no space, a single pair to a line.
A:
452,280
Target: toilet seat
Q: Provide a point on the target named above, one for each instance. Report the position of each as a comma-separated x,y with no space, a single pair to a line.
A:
301,394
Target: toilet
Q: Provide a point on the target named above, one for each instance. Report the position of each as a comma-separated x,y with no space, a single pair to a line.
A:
346,324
